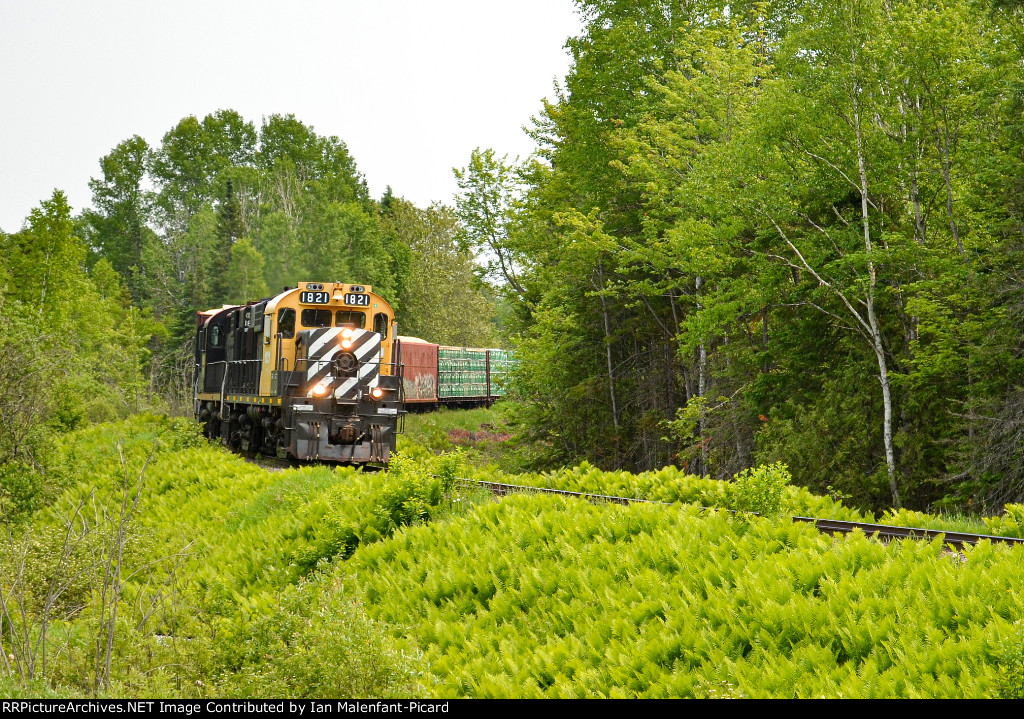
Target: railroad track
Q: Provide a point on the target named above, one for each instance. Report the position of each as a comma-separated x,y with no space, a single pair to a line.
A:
885,532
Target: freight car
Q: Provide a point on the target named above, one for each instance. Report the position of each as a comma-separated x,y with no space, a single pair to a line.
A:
434,375
311,374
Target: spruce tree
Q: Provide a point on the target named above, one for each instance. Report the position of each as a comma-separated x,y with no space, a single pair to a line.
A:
229,230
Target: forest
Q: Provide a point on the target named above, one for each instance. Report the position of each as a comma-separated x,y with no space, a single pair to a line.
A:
752,232
777,231
767,258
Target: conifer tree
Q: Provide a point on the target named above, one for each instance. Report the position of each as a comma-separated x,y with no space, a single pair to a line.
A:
229,230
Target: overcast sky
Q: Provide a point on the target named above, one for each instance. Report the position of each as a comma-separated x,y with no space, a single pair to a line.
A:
410,86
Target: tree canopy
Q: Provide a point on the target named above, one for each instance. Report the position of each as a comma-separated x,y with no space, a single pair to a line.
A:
767,231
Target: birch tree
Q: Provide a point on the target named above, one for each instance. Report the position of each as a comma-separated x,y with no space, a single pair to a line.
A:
833,145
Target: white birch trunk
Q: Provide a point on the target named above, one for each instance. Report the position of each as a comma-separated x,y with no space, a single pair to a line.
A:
608,355
702,382
876,334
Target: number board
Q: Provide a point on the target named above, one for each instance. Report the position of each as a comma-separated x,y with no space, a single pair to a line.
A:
314,298
351,298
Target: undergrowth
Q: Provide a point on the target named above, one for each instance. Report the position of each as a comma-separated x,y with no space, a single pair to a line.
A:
227,567
541,596
321,582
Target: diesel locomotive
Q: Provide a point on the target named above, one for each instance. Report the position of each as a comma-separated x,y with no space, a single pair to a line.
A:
314,373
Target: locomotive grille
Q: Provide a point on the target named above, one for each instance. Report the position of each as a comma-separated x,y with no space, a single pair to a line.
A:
346,371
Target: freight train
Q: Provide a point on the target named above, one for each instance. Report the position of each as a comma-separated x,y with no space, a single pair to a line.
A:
434,375
317,373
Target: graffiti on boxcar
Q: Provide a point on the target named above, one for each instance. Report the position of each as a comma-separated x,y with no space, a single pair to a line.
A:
423,386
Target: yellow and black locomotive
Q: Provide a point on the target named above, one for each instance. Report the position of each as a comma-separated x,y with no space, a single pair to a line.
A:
311,374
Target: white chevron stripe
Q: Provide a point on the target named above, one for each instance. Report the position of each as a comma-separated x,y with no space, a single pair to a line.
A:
324,339
321,362
367,369
347,385
360,336
352,383
368,348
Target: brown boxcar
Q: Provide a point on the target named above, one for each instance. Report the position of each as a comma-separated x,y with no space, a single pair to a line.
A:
420,362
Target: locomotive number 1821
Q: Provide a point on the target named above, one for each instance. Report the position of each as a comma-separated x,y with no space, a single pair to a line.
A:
314,298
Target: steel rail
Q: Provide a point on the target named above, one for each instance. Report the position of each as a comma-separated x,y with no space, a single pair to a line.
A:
884,532
887,531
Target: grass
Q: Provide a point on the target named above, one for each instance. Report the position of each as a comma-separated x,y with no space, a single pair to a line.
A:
483,434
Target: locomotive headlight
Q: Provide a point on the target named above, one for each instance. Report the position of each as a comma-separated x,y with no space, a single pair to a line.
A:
346,344
376,393
319,390
346,333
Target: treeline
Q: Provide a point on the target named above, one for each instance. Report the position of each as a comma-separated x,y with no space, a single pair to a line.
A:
776,231
223,212
97,309
72,349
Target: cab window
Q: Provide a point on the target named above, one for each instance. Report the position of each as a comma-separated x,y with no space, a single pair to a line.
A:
380,324
286,322
348,317
316,318
215,336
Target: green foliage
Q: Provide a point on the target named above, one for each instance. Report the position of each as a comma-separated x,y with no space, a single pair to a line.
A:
1010,523
244,276
440,277
1011,666
11,688
483,436
116,228
453,594
486,187
672,485
448,468
72,348
179,433
542,596
315,642
414,491
760,490
23,490
221,587
745,216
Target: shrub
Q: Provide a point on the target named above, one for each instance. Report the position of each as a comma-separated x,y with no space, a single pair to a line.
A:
180,433
23,489
1011,666
316,642
760,490
448,467
1008,524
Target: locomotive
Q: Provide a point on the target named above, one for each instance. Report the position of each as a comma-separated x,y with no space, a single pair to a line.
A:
311,374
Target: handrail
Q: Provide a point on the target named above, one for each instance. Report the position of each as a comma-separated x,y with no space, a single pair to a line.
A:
287,378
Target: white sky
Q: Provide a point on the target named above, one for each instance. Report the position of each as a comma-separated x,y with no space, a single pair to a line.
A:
411,87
